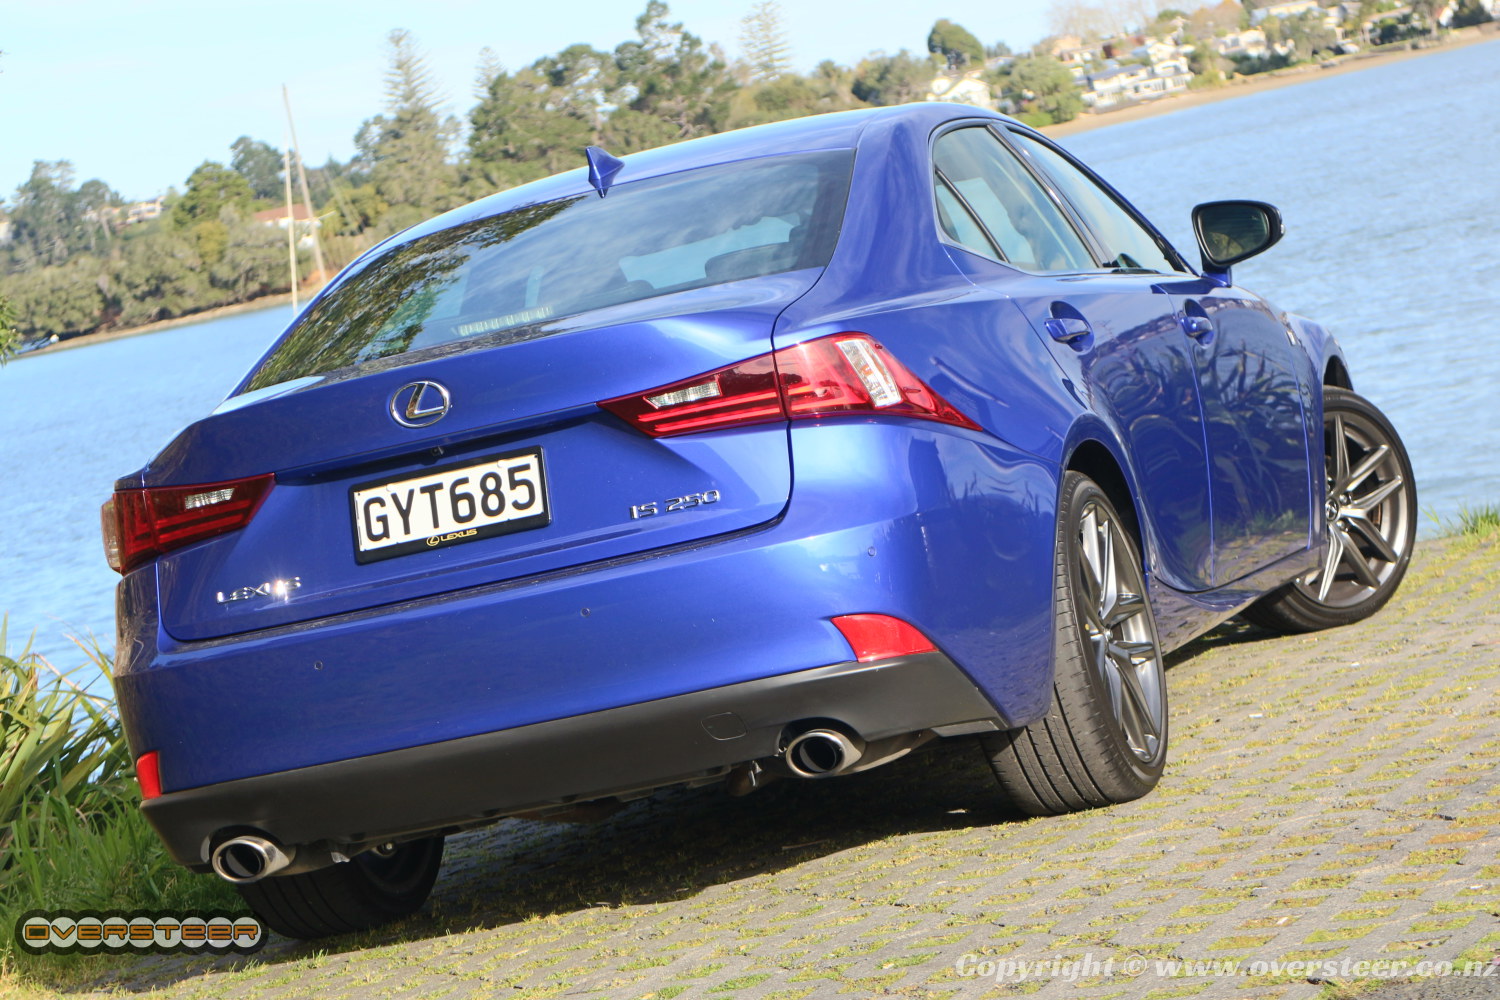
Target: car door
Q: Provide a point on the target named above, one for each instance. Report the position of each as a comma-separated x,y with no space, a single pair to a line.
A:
1113,333
1251,397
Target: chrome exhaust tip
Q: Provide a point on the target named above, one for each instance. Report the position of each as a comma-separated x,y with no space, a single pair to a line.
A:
248,858
822,753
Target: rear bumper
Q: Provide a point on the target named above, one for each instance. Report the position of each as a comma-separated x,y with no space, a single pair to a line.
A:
943,529
596,755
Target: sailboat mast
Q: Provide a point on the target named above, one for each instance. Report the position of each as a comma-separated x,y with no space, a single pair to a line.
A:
302,180
291,228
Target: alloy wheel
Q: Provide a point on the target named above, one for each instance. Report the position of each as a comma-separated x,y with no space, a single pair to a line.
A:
1369,509
1116,628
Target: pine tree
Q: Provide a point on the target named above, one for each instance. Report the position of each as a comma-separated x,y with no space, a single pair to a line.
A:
763,40
407,147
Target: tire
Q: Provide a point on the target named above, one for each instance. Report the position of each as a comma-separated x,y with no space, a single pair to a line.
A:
370,889
1104,737
1371,503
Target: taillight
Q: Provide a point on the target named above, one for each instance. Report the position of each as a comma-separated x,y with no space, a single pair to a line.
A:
141,524
841,374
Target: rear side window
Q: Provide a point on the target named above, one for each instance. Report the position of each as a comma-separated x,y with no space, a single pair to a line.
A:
983,190
521,269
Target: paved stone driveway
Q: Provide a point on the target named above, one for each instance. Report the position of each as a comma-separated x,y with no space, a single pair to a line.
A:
1330,799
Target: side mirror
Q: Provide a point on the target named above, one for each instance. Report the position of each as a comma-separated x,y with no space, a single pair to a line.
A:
1231,231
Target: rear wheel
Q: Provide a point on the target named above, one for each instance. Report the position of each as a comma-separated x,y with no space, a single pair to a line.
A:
1104,737
1372,524
370,889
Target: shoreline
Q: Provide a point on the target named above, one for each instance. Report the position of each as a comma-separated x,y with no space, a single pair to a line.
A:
204,316
1244,86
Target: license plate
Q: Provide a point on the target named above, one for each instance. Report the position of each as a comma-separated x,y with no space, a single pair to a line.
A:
450,505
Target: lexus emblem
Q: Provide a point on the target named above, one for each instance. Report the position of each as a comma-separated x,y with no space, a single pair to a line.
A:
418,404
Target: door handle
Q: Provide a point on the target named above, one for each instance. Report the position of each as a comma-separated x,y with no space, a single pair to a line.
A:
1066,329
1196,327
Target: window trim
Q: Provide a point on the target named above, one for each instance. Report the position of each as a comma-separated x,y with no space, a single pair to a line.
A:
963,203
1085,235
1167,250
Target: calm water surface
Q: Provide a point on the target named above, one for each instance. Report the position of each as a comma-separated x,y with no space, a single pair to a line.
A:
1387,178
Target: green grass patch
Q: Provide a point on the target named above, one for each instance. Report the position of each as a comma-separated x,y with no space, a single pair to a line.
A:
71,834
1480,522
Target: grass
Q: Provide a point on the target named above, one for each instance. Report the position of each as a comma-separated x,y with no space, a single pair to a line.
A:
71,835
1480,521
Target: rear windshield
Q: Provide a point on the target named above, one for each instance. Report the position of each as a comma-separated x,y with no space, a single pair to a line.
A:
520,270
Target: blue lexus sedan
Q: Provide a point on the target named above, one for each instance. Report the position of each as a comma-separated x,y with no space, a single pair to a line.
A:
770,455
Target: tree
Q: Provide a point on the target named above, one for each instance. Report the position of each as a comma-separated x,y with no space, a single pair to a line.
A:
407,147
954,43
516,136
210,187
1045,90
1470,13
261,165
1226,16
43,215
1206,65
888,80
157,275
64,299
669,73
1310,34
763,40
10,338
827,88
1081,19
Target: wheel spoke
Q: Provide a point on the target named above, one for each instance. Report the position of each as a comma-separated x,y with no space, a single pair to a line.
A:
1126,607
1378,495
1358,563
1137,720
1109,672
1371,534
1366,466
1089,536
1331,560
1110,598
1340,456
1130,650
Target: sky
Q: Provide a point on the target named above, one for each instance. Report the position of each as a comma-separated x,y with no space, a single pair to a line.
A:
138,94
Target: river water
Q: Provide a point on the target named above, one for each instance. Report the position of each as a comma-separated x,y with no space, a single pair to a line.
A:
1386,177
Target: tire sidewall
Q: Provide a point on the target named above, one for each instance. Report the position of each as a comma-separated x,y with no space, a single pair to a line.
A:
1078,492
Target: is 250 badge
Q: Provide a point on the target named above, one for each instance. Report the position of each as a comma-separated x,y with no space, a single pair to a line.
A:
673,504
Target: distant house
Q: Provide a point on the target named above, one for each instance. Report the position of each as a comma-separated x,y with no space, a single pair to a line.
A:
1154,50
1129,84
1251,42
1070,50
143,211
1283,8
967,88
304,220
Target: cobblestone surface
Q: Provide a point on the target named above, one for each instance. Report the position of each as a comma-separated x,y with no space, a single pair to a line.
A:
1330,798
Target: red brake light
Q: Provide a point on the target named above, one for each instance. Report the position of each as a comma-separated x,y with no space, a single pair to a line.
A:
141,524
148,773
881,637
843,373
